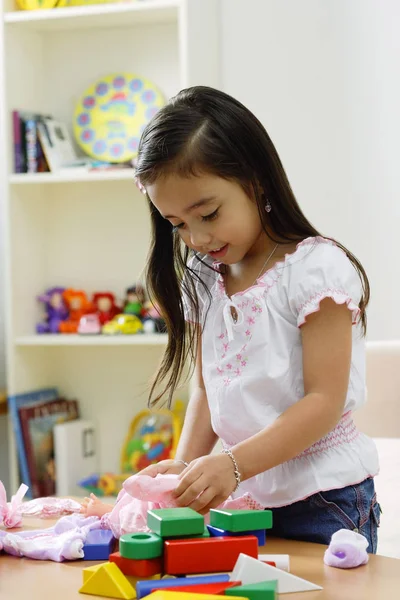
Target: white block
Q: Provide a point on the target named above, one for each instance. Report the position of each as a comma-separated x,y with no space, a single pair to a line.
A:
250,570
75,455
282,561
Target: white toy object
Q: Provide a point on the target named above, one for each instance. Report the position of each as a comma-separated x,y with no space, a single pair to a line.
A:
250,570
347,549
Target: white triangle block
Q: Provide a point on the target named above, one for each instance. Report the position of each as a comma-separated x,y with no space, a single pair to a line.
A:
250,570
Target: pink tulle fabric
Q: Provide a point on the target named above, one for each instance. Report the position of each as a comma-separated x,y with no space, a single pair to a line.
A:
141,493
66,539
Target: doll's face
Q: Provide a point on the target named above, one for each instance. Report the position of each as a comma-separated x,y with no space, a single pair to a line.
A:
104,304
75,303
133,297
56,300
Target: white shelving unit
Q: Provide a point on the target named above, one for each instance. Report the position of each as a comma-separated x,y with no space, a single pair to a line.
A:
89,231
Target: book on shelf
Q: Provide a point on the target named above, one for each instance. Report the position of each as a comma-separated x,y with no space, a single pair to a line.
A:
14,404
37,425
28,152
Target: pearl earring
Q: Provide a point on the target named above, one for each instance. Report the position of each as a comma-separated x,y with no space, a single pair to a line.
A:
268,206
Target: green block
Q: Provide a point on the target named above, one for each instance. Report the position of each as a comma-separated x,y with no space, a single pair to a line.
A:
241,520
175,522
140,545
265,590
205,534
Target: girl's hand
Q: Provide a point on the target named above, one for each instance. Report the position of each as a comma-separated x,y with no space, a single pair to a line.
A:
206,483
164,467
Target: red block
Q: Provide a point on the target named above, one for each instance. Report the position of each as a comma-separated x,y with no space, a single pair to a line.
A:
206,555
138,568
269,562
205,588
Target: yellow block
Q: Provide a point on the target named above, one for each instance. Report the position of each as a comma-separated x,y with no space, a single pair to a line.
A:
107,580
88,571
167,595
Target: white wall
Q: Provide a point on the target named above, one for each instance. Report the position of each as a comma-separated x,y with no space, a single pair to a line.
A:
324,78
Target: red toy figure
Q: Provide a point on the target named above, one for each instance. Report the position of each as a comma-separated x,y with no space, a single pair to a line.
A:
78,305
105,306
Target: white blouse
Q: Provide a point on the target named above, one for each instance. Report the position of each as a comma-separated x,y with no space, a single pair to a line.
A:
252,367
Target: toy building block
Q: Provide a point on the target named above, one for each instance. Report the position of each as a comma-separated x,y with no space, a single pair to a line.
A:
281,561
88,571
258,533
137,568
206,588
210,555
265,590
140,546
249,570
108,581
144,588
175,522
99,544
241,520
164,595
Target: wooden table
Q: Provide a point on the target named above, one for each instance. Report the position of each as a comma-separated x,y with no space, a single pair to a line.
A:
23,579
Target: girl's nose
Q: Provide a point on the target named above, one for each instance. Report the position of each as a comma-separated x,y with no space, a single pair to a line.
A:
200,238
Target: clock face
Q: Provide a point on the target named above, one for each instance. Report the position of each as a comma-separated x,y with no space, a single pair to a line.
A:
111,115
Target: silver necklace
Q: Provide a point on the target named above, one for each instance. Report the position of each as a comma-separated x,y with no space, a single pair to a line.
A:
265,264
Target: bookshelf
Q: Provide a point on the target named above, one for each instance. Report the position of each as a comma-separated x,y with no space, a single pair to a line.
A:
87,230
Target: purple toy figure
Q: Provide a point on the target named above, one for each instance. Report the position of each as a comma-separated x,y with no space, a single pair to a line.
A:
56,310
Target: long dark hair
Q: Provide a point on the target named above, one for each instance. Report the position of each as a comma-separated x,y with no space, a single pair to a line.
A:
204,130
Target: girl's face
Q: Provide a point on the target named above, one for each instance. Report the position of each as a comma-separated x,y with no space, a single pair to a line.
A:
212,215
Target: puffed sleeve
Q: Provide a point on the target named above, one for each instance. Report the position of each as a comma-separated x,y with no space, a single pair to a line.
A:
323,271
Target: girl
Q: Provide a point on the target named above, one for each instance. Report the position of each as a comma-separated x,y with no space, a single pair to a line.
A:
272,314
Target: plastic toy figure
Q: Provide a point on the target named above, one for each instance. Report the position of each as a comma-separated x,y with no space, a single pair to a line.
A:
152,319
56,310
134,300
105,306
126,324
78,305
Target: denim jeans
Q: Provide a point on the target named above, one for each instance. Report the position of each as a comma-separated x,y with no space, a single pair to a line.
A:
316,518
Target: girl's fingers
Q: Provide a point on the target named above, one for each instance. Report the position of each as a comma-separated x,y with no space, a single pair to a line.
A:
188,490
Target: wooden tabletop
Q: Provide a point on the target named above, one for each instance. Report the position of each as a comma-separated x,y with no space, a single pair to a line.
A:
22,578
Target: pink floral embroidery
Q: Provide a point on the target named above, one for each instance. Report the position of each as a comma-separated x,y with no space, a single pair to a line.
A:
237,372
220,371
251,320
229,366
243,363
221,336
227,381
239,356
226,347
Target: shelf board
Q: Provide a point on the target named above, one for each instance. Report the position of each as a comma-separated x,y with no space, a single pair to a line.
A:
123,14
159,339
35,178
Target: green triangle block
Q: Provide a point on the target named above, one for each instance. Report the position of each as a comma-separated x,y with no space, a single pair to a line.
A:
265,590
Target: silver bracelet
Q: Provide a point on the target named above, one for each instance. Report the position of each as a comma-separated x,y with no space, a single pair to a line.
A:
235,466
182,461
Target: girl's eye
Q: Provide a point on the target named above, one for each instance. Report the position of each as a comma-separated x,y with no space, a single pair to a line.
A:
211,216
176,227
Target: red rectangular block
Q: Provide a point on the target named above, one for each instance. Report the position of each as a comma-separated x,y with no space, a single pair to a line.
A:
206,555
205,588
138,568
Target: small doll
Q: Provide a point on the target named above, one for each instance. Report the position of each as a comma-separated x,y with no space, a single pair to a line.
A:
105,306
152,319
78,305
56,310
134,300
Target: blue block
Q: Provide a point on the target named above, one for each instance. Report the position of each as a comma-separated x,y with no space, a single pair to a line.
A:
99,544
260,534
144,588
